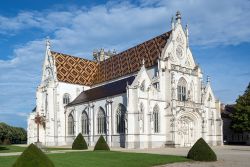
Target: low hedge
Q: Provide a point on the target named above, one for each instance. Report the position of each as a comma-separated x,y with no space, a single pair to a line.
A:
33,156
201,151
101,144
79,143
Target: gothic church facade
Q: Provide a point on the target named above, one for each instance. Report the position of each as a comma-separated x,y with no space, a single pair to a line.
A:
151,95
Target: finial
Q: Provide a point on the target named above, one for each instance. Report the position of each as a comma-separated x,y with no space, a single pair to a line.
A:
178,16
208,79
47,42
143,61
172,22
47,45
187,35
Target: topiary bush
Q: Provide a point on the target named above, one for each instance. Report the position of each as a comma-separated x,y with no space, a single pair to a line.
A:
201,151
33,156
101,144
79,143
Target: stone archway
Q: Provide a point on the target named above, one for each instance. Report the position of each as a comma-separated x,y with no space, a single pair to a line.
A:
187,129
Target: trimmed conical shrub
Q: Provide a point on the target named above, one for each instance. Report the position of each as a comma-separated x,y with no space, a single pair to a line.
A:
33,156
201,151
101,144
79,143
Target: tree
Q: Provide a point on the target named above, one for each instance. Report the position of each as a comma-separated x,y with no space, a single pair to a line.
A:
39,120
79,143
241,114
10,134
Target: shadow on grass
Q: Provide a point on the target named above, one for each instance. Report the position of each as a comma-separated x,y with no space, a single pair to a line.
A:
3,148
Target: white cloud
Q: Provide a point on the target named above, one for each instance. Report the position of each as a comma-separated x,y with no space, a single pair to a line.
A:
115,26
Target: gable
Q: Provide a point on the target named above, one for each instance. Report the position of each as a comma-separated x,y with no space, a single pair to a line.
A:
85,72
178,51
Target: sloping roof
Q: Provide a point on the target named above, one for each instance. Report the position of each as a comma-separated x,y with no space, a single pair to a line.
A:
74,69
110,89
85,72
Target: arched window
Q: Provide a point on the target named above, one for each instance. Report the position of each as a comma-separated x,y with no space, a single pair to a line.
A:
120,119
85,123
156,119
182,90
141,117
70,124
101,121
66,98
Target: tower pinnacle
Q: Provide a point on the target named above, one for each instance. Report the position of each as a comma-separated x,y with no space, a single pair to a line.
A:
178,17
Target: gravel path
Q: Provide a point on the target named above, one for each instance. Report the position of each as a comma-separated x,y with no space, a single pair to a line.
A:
228,156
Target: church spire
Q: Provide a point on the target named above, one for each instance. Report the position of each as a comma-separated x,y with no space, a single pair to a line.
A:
178,17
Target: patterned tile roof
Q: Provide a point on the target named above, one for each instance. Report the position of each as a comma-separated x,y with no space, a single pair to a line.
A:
85,72
74,70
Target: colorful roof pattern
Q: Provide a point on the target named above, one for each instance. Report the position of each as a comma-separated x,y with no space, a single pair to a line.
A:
74,70
85,72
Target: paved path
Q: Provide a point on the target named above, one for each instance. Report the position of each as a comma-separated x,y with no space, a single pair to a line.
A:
228,156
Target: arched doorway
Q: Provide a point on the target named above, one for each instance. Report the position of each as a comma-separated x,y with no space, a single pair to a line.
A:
187,129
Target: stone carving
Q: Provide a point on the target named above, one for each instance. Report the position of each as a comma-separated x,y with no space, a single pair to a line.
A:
179,39
179,52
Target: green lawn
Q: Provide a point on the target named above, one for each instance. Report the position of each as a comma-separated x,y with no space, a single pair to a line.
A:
12,148
103,159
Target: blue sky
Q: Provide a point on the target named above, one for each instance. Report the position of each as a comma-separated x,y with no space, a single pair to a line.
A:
219,39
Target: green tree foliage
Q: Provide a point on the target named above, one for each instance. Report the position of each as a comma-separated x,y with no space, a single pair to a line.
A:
241,114
14,135
79,143
33,156
101,144
201,152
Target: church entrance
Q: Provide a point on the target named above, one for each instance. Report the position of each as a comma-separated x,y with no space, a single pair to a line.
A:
187,129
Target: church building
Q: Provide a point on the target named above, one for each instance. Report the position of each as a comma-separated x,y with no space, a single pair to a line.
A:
149,96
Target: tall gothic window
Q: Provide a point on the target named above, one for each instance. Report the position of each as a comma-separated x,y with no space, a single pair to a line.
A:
156,119
120,119
66,98
70,124
85,123
141,117
182,90
101,121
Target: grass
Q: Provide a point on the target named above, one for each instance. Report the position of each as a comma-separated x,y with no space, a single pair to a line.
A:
11,148
103,159
14,148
